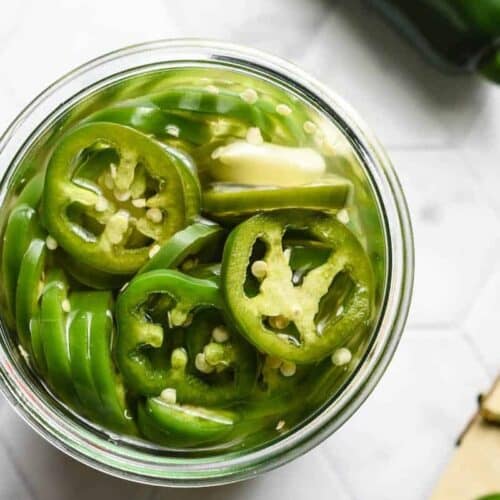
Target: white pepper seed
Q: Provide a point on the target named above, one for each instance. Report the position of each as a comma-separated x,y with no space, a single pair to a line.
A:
279,322
51,242
169,395
220,334
155,215
343,216
201,364
139,202
283,109
250,96
259,269
309,127
288,368
341,356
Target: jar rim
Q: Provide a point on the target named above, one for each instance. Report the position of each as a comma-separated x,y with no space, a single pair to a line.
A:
83,443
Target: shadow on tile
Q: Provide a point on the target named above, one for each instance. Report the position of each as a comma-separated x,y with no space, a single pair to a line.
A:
237,490
394,54
49,474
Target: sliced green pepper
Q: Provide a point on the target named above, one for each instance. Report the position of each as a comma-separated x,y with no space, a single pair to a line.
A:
190,182
185,244
29,289
229,200
97,384
32,191
199,115
308,329
183,425
305,256
22,227
89,276
98,224
206,271
53,332
230,110
147,117
138,337
79,333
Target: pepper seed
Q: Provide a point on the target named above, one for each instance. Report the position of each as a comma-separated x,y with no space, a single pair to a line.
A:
254,136
279,322
169,395
250,96
122,195
309,127
220,334
283,109
288,369
341,356
259,269
280,425
101,204
201,364
51,242
139,202
172,130
179,358
154,215
343,216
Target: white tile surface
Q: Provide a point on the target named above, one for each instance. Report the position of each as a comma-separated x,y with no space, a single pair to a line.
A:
443,134
457,232
402,437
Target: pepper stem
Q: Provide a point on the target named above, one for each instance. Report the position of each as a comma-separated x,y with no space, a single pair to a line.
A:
489,66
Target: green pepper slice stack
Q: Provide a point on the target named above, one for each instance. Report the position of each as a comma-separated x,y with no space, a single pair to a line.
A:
177,269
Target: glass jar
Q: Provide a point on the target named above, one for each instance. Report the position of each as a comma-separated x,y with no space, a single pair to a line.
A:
145,462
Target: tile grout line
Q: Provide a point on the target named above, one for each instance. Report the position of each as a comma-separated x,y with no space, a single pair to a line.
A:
476,353
478,176
431,325
345,486
466,312
421,148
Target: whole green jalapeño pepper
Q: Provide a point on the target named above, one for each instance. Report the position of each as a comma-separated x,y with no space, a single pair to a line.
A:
462,34
295,321
141,345
110,214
